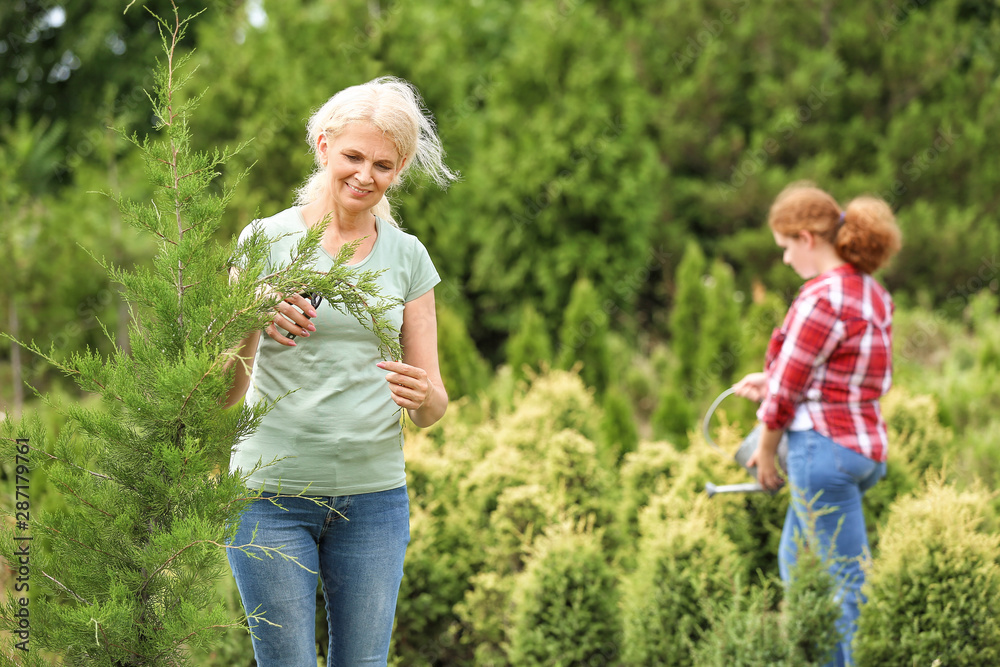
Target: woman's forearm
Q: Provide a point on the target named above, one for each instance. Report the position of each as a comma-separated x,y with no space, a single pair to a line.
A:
433,408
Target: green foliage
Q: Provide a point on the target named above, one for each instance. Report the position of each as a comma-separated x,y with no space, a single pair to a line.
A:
934,589
674,415
946,367
745,632
803,632
719,330
529,348
916,434
583,336
644,472
812,609
619,433
564,603
439,562
463,369
685,316
523,513
752,630
482,494
578,159
575,170
683,567
554,402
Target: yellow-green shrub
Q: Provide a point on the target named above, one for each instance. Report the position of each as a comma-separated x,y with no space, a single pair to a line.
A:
555,401
685,564
751,521
644,472
915,433
565,603
751,631
934,588
439,561
522,513
484,616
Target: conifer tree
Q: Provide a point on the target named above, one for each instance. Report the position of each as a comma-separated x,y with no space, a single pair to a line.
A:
463,369
529,347
689,306
720,331
123,572
583,336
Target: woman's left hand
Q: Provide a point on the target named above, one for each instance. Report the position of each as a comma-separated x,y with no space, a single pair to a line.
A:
764,459
767,471
409,385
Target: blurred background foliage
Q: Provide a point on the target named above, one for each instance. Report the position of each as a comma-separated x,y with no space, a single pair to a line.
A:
605,261
597,141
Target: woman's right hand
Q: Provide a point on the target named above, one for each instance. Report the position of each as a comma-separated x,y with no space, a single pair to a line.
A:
289,320
753,386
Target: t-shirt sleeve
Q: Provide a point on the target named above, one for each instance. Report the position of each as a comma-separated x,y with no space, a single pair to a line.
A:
245,234
423,275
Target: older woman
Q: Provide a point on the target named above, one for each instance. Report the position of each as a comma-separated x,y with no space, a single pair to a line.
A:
336,439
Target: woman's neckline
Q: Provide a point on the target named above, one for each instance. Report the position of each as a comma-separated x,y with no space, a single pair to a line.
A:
379,227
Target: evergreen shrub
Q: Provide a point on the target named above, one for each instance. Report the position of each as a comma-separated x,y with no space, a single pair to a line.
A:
752,521
719,332
746,631
674,415
933,590
530,347
644,472
555,401
522,514
565,603
619,432
685,564
583,336
757,628
915,433
688,308
463,369
483,618
439,561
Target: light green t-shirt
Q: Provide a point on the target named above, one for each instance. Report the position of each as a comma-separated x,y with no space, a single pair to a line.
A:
339,432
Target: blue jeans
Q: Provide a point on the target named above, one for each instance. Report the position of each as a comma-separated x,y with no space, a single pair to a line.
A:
817,464
355,543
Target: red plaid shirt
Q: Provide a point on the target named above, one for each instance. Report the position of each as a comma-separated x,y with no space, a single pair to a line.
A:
833,354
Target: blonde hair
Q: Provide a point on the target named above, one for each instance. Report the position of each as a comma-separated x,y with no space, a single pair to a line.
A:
393,106
863,234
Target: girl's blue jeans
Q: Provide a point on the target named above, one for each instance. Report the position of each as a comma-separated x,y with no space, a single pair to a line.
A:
355,543
818,465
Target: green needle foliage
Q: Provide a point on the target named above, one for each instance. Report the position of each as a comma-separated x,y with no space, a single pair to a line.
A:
123,572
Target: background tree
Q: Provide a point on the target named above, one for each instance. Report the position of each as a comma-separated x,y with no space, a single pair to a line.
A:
583,336
686,315
27,163
528,347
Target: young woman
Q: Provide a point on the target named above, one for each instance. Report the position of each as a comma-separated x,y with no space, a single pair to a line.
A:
826,368
336,438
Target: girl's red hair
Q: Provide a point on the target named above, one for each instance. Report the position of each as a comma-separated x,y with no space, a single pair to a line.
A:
864,234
